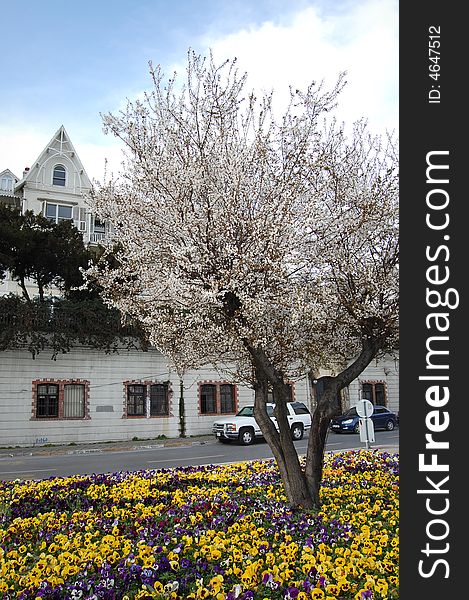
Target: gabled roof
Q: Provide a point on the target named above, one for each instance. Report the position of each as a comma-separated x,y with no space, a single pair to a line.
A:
9,193
8,173
59,145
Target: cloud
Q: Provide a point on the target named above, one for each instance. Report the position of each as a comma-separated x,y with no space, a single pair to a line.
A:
311,44
361,39
21,146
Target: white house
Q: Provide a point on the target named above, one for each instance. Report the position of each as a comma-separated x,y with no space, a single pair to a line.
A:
87,395
55,186
8,181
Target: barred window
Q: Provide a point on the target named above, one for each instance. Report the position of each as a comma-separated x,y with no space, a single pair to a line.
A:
227,399
136,396
208,401
74,400
147,399
375,392
159,405
47,405
60,399
217,398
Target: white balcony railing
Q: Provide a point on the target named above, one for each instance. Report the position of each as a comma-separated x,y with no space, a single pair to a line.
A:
95,237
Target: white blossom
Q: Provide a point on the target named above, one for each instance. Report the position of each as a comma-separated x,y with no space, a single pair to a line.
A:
235,228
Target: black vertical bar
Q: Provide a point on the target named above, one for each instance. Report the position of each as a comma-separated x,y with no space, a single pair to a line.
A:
433,56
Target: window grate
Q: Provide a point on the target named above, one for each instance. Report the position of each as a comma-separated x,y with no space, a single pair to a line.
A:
159,400
208,400
136,395
74,401
227,400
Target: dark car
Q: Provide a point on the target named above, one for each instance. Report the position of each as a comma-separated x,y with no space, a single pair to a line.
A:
382,419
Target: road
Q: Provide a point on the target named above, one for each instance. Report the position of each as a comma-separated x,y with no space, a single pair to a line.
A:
78,462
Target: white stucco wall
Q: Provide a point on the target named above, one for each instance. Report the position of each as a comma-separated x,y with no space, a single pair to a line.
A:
106,375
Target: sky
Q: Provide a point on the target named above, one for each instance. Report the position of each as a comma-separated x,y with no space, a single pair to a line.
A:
68,63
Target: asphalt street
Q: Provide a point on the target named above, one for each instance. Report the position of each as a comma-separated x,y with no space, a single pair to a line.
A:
64,461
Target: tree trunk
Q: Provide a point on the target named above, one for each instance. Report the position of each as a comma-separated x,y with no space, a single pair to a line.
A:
302,487
40,287
281,443
182,410
328,407
22,283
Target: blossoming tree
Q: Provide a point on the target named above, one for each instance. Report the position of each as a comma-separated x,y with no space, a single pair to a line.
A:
261,244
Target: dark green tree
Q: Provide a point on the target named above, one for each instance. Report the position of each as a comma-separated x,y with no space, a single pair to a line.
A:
10,225
57,325
49,254
34,248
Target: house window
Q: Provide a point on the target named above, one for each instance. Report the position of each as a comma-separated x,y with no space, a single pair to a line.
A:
136,396
59,399
58,212
227,399
147,399
375,392
99,226
208,399
7,184
58,176
74,401
217,398
47,405
159,405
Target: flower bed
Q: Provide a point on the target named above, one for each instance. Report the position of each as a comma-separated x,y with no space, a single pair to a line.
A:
202,532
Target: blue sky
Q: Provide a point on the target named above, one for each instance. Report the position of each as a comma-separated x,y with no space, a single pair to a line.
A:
67,62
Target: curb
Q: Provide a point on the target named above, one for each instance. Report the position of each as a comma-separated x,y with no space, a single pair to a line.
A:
123,447
117,446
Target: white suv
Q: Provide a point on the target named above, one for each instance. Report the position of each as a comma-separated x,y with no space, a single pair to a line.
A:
244,428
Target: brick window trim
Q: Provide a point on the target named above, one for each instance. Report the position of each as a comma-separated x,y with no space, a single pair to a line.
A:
147,384
217,384
61,383
373,382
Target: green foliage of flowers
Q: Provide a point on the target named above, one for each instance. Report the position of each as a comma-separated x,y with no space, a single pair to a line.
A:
221,532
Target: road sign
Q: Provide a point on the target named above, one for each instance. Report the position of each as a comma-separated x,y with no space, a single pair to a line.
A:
367,430
364,408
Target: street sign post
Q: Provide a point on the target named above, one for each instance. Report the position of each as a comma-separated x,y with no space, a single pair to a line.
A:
366,427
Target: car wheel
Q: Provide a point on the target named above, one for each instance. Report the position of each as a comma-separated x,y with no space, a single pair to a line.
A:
390,425
297,431
356,429
246,436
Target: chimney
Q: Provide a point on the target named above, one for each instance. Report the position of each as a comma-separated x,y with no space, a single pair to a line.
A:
25,172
